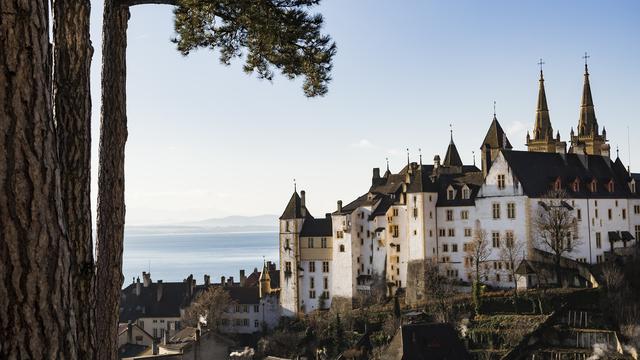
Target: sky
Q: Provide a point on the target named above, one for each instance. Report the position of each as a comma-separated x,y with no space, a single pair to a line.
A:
207,140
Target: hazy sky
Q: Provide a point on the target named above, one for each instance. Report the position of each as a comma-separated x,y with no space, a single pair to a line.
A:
207,140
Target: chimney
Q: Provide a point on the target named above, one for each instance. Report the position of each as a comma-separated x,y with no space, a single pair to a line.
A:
303,206
160,288
339,206
302,198
138,287
561,148
222,281
189,283
230,280
376,173
207,280
146,278
129,333
436,161
243,278
605,150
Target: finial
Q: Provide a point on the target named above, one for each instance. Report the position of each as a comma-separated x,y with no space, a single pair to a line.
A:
586,57
540,63
473,153
617,151
295,187
451,132
420,153
494,109
387,159
408,161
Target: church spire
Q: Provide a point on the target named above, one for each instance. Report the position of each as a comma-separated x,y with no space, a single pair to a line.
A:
542,128
588,124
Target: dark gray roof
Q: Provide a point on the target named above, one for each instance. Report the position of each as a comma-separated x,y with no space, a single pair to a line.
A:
538,171
471,177
244,295
175,295
294,209
317,227
452,158
496,138
431,341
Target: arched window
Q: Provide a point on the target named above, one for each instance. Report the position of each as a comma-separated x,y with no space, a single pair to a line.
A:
341,248
593,186
610,186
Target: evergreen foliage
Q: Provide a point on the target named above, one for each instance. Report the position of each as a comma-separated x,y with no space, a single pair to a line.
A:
269,34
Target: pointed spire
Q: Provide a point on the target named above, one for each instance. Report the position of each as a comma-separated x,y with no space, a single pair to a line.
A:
588,124
542,129
452,158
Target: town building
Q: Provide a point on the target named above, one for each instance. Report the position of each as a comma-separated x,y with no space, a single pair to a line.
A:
158,307
430,212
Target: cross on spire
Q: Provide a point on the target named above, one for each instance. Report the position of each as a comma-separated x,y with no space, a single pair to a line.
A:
586,58
494,108
420,153
540,63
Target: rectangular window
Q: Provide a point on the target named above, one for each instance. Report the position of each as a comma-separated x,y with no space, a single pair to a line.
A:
609,214
496,210
395,230
511,210
598,240
596,213
323,243
395,212
449,215
325,266
256,308
325,283
310,243
312,294
445,247
624,214
442,232
245,308
636,209
312,283
599,259
339,234
579,214
509,239
312,266
452,232
467,232
454,247
501,182
415,212
256,323
287,266
464,214
495,239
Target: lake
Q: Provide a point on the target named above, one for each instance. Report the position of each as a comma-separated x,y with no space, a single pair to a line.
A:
172,257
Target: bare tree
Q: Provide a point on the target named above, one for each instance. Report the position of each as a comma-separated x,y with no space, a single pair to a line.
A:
439,289
556,228
511,254
477,253
209,306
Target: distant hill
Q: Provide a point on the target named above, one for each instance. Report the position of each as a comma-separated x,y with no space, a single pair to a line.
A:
229,224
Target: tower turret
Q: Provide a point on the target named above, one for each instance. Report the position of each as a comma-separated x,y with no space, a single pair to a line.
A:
542,140
265,281
495,140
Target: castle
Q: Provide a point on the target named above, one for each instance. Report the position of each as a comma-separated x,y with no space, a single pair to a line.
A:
430,212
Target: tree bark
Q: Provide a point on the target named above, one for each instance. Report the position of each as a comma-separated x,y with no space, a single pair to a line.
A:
72,54
36,296
111,207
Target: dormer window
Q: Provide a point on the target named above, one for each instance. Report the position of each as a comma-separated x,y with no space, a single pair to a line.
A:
502,183
610,186
576,186
557,185
451,193
465,192
632,186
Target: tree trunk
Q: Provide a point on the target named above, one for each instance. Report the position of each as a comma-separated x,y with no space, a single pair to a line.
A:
72,54
111,208
37,301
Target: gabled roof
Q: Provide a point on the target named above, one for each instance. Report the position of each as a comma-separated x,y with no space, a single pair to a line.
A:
175,295
294,209
496,138
536,171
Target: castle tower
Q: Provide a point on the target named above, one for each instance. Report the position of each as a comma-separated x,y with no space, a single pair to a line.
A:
543,140
265,281
588,140
291,222
494,141
452,162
